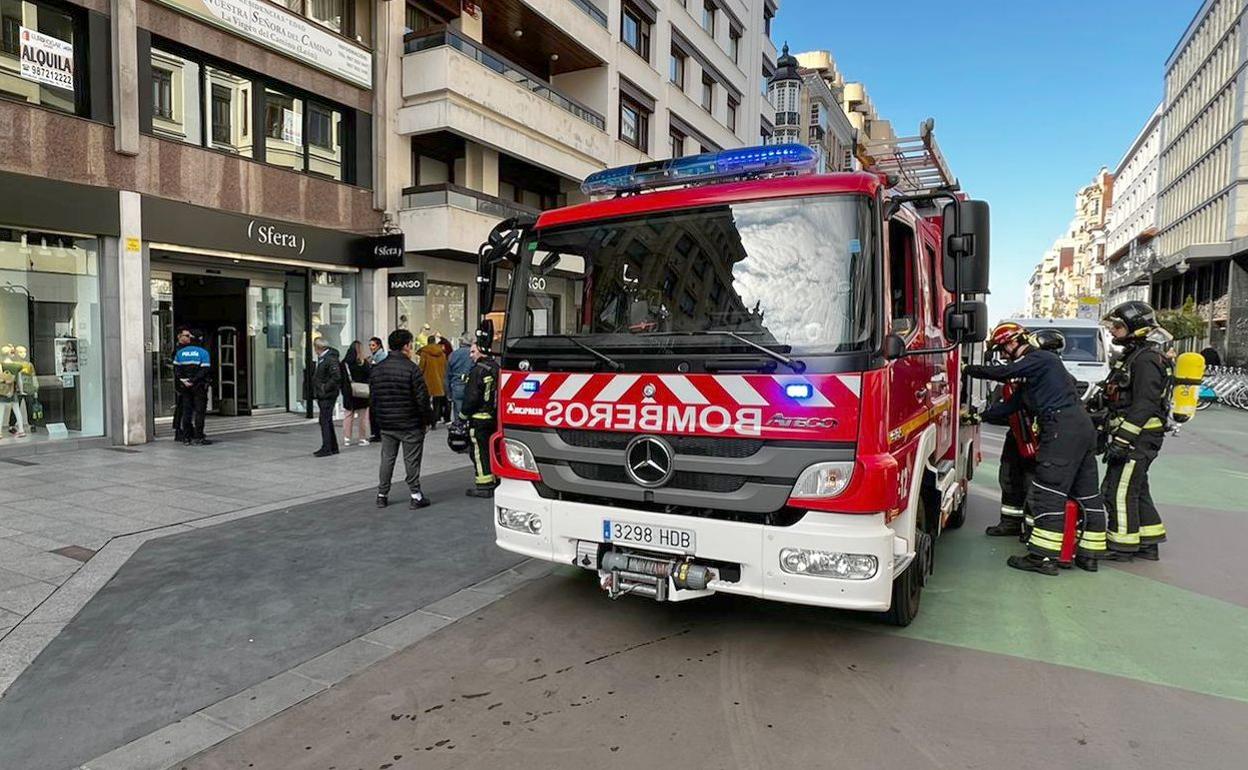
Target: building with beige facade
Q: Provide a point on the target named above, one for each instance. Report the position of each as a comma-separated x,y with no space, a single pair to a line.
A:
810,108
1132,222
1202,200
501,108
1070,276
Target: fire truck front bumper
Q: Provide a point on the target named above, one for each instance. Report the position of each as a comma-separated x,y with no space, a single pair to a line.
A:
826,559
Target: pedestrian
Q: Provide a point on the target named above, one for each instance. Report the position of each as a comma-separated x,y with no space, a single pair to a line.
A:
184,333
1137,398
402,410
481,409
433,364
192,371
378,354
326,382
1066,465
457,368
355,394
422,339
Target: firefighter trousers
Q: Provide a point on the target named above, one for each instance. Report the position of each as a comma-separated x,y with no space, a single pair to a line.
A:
479,431
1133,518
1066,469
1014,475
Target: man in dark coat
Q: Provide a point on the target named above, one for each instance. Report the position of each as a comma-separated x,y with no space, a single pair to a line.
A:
326,382
402,410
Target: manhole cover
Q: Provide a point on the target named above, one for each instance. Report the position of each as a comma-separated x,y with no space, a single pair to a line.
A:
75,552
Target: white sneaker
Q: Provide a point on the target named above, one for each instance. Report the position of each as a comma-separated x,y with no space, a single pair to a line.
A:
363,442
346,442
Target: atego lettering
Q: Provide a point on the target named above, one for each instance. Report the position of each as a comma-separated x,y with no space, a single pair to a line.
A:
655,418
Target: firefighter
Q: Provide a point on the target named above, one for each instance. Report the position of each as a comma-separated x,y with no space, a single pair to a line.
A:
480,410
1066,465
1137,400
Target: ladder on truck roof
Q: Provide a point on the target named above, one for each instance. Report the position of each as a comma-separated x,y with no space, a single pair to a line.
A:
914,161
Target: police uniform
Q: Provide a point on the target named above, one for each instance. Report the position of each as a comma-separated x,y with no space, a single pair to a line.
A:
480,410
1066,465
192,368
1137,397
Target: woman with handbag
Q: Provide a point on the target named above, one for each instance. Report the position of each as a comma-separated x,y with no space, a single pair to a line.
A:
355,394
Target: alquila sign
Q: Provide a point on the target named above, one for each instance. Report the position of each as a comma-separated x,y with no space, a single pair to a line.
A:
286,33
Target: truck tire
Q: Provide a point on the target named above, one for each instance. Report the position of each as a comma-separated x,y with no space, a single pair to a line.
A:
908,586
958,517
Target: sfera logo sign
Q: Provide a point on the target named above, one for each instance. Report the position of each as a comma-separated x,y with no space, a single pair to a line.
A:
270,235
655,418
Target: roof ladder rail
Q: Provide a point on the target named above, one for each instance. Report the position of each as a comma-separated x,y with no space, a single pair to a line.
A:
916,162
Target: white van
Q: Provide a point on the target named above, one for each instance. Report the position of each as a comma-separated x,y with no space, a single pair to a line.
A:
1086,354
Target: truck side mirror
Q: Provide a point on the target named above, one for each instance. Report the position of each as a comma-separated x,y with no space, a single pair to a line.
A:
970,325
894,347
965,265
486,328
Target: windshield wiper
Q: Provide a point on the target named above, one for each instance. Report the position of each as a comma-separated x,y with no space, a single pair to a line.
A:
608,360
793,364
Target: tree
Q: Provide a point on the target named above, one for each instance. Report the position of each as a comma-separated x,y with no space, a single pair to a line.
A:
1184,323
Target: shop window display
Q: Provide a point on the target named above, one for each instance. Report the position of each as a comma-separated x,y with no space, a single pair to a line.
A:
51,367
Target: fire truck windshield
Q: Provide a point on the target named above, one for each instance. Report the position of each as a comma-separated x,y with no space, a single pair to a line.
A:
794,275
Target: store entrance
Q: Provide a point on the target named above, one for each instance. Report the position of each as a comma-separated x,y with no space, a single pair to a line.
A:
250,323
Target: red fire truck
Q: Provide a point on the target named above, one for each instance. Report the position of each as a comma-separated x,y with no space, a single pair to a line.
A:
752,385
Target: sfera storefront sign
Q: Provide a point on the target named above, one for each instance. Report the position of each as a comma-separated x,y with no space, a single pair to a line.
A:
286,33
46,59
406,285
272,235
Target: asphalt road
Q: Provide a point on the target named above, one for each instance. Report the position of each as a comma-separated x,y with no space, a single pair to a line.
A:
1137,666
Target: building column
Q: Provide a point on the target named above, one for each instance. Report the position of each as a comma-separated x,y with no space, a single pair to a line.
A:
125,77
481,168
1236,351
132,297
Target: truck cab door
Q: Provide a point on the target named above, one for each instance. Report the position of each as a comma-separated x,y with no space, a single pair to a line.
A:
910,385
942,381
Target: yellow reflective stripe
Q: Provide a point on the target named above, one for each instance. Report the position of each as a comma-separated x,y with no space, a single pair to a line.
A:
1093,536
1120,499
1051,538
1129,427
1133,539
1153,530
1092,545
482,477
1155,422
1010,512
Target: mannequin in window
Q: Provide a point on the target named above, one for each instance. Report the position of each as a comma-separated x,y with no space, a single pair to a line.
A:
17,382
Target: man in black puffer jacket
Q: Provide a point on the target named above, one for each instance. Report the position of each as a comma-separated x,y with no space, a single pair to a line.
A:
401,407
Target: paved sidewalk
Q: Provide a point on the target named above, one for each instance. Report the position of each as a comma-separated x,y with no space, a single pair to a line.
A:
58,510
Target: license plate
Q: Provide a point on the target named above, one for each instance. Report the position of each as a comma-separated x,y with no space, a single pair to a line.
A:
667,538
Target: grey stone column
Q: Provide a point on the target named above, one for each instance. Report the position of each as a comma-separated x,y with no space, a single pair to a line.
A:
132,294
125,77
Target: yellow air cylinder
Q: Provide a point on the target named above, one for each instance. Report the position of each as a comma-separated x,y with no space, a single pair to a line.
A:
1189,371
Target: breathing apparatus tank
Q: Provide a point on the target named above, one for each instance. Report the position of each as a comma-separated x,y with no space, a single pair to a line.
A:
1189,371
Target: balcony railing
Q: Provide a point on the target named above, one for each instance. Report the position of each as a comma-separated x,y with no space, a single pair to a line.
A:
424,41
592,11
425,196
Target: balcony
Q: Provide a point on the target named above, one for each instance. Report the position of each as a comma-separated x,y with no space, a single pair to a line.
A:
447,219
453,84
592,11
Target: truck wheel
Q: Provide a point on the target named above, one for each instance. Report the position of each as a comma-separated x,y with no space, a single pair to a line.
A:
958,517
908,586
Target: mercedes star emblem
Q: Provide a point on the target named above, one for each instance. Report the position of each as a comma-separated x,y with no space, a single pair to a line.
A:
648,461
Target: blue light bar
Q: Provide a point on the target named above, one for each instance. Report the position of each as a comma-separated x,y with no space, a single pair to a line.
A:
707,167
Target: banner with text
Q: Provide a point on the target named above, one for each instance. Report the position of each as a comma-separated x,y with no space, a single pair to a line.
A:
287,33
46,59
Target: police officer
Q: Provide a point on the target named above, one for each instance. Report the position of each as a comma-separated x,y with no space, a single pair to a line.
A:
192,368
1137,399
1065,459
480,410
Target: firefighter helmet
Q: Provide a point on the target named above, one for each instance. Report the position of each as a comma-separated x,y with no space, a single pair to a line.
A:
1048,339
1137,317
1004,334
457,437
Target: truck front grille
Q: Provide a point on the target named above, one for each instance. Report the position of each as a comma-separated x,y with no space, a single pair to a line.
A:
698,446
701,482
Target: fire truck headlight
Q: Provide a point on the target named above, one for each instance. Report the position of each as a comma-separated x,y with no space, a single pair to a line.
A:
830,564
823,480
519,455
520,521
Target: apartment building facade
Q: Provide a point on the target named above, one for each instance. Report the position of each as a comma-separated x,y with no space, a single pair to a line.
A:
810,108
1069,279
175,163
1132,220
501,108
1202,204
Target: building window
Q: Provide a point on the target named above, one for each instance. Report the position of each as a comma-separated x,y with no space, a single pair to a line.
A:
228,102
732,114
635,31
330,13
767,74
764,135
709,9
676,143
734,44
62,86
768,15
708,92
634,124
221,114
417,19
162,93
676,68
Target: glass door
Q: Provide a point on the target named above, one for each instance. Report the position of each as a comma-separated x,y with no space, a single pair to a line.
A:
163,342
298,342
266,327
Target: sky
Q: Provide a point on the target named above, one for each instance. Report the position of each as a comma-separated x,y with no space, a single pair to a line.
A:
1030,99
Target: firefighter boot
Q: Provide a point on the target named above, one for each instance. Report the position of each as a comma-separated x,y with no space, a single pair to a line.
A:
1086,563
1149,552
481,490
1009,526
1032,563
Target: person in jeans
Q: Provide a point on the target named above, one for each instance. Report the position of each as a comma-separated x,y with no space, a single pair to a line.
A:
326,382
376,354
402,409
457,369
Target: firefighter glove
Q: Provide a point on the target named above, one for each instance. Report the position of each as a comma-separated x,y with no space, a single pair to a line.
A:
1119,450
